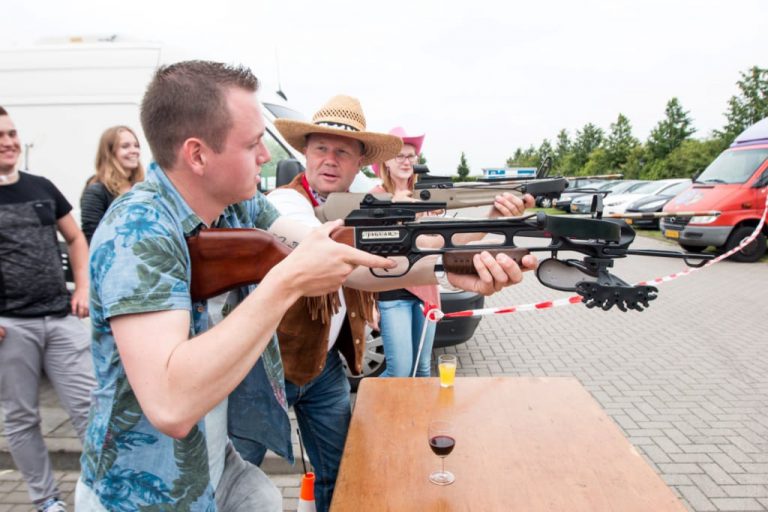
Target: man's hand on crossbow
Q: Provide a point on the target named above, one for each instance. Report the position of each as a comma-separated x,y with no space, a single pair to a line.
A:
510,205
493,274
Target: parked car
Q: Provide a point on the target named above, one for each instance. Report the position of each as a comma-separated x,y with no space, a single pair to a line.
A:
583,203
576,188
449,332
618,202
653,204
735,185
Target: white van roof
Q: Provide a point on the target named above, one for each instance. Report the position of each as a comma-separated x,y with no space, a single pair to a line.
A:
758,132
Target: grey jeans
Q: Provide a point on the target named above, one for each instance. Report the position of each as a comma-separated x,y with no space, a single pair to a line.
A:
243,487
61,348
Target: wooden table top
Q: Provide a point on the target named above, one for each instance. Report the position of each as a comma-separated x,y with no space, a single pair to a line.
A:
522,444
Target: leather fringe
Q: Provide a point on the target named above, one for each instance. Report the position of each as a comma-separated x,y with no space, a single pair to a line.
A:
326,306
365,302
323,307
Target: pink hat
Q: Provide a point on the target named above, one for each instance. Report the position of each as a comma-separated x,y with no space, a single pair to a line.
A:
414,140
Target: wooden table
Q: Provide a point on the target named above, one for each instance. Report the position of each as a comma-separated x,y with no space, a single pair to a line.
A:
522,444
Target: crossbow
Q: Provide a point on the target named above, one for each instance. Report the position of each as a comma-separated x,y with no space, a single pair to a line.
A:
390,229
339,205
437,189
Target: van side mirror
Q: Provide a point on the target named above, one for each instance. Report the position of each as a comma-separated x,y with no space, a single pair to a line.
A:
762,181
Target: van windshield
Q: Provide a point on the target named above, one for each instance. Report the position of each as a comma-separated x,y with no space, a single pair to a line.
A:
281,112
733,166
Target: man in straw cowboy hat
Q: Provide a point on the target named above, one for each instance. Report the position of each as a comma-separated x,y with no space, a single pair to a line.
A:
314,332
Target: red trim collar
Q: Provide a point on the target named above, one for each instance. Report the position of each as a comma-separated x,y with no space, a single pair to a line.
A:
310,192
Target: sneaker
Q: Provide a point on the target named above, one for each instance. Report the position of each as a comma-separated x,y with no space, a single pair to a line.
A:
52,505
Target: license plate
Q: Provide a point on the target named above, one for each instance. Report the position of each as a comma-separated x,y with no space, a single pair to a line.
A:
670,233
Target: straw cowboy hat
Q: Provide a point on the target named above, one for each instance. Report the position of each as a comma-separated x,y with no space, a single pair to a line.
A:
414,140
342,116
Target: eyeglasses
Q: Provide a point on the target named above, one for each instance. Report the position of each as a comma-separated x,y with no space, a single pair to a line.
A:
402,158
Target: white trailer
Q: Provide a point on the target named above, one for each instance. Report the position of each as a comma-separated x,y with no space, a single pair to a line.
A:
63,94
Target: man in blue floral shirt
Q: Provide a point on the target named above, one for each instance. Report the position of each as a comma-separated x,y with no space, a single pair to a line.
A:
156,437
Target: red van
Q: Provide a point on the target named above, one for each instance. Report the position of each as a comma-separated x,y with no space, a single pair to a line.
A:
734,184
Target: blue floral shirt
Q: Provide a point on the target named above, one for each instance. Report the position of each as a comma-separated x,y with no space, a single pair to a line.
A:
140,263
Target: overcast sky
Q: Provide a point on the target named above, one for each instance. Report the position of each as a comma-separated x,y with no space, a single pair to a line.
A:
480,76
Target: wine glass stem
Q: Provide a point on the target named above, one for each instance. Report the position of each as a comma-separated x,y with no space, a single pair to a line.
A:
442,459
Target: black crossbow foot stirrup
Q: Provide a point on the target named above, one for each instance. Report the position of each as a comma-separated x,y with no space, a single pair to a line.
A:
591,279
608,291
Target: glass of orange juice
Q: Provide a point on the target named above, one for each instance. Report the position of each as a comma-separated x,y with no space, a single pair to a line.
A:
446,365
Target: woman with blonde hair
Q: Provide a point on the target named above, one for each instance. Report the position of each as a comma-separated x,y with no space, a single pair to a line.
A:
402,311
118,168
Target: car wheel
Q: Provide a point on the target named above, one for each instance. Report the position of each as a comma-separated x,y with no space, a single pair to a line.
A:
374,362
545,202
752,252
692,248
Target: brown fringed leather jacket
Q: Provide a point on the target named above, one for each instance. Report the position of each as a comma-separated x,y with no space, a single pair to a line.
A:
303,331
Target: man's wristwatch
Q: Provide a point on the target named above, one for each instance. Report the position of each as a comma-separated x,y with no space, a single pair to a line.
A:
442,277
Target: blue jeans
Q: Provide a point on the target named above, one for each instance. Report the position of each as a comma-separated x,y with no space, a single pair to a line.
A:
401,324
323,412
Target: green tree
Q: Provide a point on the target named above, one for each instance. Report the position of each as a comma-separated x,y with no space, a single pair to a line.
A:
422,159
635,166
545,151
463,169
523,158
670,132
587,140
747,108
618,145
516,156
599,162
562,148
686,160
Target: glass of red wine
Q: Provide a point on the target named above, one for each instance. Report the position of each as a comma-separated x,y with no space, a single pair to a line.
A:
441,440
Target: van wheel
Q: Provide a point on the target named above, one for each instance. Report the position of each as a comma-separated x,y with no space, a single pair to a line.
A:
692,248
752,252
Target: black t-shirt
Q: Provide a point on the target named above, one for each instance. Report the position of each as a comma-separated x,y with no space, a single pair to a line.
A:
31,276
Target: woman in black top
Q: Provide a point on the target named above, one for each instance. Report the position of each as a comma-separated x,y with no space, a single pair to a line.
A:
118,168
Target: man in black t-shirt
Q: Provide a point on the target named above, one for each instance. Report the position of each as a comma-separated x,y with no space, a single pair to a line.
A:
40,326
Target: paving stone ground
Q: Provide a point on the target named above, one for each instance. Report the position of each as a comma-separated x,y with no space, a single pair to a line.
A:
13,490
686,380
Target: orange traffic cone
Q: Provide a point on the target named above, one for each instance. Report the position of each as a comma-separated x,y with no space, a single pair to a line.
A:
307,494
